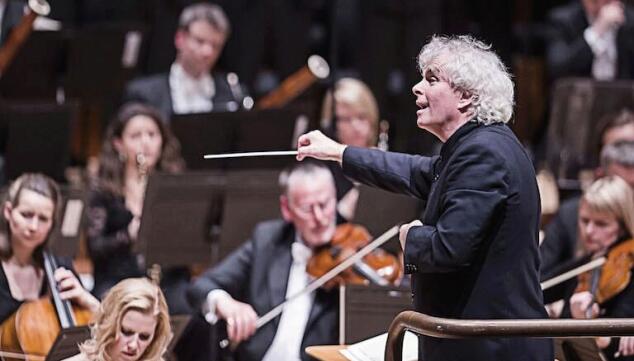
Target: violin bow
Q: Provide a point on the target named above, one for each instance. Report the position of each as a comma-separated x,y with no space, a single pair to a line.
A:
21,356
572,273
325,278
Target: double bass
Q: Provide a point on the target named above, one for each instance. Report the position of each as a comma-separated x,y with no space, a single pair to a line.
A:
31,331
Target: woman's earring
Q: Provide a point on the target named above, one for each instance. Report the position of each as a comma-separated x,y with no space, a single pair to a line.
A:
123,157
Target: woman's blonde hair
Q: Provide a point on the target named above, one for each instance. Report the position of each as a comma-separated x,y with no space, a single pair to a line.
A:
358,96
138,294
612,195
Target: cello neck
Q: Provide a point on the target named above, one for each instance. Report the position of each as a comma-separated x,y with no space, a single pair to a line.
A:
62,307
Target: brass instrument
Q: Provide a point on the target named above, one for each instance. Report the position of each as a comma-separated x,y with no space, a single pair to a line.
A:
316,68
20,33
141,165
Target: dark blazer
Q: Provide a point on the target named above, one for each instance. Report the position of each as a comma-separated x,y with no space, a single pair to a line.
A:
476,256
257,274
155,90
13,12
568,53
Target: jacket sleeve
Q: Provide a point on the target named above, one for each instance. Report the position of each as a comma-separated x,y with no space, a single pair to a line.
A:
231,275
474,194
393,172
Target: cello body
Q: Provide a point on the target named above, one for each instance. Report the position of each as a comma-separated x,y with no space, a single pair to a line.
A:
33,328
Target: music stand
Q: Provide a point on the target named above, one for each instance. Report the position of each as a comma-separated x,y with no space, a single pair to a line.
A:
226,132
67,234
67,343
576,349
372,306
256,191
38,137
181,218
578,108
379,210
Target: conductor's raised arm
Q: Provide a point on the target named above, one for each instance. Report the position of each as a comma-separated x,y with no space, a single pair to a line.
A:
316,145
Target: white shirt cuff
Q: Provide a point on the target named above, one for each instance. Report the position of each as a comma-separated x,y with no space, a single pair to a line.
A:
209,306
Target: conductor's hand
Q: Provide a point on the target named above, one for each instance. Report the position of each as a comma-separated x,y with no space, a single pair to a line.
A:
71,289
316,145
582,305
610,17
240,317
402,232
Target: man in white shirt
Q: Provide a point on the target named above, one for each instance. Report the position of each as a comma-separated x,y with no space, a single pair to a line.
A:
270,268
591,38
191,86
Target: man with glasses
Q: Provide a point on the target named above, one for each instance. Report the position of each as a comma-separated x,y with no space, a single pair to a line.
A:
191,86
271,267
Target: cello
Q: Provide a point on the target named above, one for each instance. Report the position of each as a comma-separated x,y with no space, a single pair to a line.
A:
32,330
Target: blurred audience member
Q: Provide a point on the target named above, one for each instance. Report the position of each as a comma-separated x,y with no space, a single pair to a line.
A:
191,86
592,38
137,143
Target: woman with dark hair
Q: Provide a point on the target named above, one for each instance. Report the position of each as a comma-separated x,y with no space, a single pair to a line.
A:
29,214
137,143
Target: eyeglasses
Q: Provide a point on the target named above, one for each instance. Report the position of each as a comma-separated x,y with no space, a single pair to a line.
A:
307,210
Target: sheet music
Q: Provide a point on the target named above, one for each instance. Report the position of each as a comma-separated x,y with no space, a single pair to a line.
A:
373,349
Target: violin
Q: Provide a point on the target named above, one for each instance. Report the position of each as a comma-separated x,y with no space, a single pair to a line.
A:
613,277
33,328
378,267
329,274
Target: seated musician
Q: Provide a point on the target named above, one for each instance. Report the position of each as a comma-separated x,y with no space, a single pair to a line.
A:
356,123
606,227
270,267
137,143
29,213
131,324
561,239
192,85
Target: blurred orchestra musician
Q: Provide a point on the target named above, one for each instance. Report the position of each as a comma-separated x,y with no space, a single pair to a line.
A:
137,142
30,211
616,141
270,267
606,227
132,324
355,122
192,85
591,38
